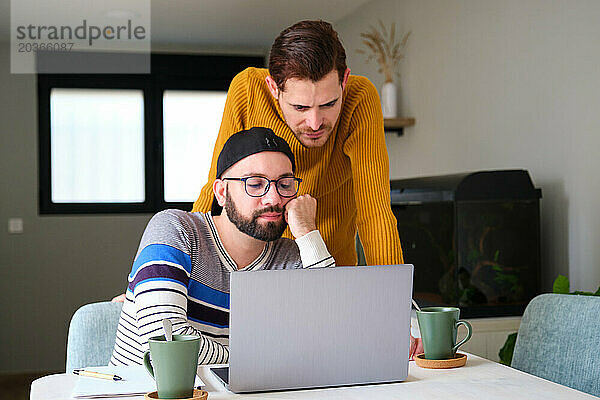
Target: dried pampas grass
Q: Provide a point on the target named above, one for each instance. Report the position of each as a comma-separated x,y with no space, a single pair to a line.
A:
384,49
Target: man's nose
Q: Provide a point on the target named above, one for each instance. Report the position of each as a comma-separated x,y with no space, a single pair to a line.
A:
272,197
314,120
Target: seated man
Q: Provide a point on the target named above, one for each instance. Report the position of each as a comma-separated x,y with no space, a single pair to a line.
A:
181,270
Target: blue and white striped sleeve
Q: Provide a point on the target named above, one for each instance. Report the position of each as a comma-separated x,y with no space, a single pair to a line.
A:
159,281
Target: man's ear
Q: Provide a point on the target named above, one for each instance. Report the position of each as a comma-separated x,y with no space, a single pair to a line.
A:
345,80
220,190
272,86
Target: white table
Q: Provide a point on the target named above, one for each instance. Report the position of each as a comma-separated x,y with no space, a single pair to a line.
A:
480,379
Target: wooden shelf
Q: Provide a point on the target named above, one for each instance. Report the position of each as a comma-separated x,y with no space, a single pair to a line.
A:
397,124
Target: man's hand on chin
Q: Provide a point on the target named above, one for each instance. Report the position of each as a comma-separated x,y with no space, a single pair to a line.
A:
300,214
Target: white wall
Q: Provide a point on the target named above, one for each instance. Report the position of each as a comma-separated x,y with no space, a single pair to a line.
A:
503,84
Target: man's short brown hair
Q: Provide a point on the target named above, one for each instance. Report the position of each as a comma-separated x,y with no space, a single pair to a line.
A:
306,50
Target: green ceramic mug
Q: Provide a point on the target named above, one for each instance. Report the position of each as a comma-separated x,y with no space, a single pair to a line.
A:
438,327
174,365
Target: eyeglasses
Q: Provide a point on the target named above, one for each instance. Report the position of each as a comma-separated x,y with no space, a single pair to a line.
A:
258,186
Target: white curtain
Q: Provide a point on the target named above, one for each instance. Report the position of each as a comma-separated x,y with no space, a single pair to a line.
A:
97,145
191,125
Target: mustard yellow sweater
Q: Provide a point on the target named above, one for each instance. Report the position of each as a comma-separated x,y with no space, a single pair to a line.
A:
349,175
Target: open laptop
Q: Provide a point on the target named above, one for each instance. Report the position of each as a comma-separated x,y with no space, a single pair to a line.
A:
292,329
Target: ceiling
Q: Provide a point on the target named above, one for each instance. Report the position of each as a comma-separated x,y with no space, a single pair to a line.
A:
250,24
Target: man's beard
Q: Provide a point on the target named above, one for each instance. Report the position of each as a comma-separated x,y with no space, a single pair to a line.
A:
266,232
307,142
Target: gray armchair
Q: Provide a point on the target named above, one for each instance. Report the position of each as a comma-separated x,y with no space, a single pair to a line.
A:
92,335
559,340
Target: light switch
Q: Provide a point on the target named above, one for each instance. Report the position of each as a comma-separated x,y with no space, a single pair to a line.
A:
15,225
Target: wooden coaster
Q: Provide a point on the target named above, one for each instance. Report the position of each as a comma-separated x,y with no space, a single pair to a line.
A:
198,395
457,361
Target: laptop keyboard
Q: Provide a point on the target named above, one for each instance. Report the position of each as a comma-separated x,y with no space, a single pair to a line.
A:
222,373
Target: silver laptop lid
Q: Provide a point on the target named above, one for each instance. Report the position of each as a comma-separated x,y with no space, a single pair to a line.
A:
306,328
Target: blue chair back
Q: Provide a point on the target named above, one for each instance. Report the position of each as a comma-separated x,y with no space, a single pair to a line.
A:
92,335
559,340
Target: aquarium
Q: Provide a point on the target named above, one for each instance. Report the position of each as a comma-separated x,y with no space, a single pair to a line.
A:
473,238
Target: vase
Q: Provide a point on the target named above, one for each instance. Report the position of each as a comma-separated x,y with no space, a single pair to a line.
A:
388,100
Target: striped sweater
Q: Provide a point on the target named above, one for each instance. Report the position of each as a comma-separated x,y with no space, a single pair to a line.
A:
181,272
349,175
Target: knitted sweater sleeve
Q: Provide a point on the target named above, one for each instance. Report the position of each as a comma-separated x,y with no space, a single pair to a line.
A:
313,251
367,151
233,119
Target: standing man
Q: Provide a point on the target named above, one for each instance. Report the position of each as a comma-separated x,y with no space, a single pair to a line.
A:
334,126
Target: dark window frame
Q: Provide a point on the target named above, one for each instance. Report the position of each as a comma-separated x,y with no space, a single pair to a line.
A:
168,72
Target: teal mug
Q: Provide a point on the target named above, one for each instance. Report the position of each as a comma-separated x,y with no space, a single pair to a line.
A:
439,326
174,365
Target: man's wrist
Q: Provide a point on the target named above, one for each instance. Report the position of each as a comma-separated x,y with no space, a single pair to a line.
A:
313,250
298,233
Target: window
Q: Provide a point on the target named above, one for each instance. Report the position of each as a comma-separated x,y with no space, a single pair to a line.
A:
189,137
97,142
131,143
